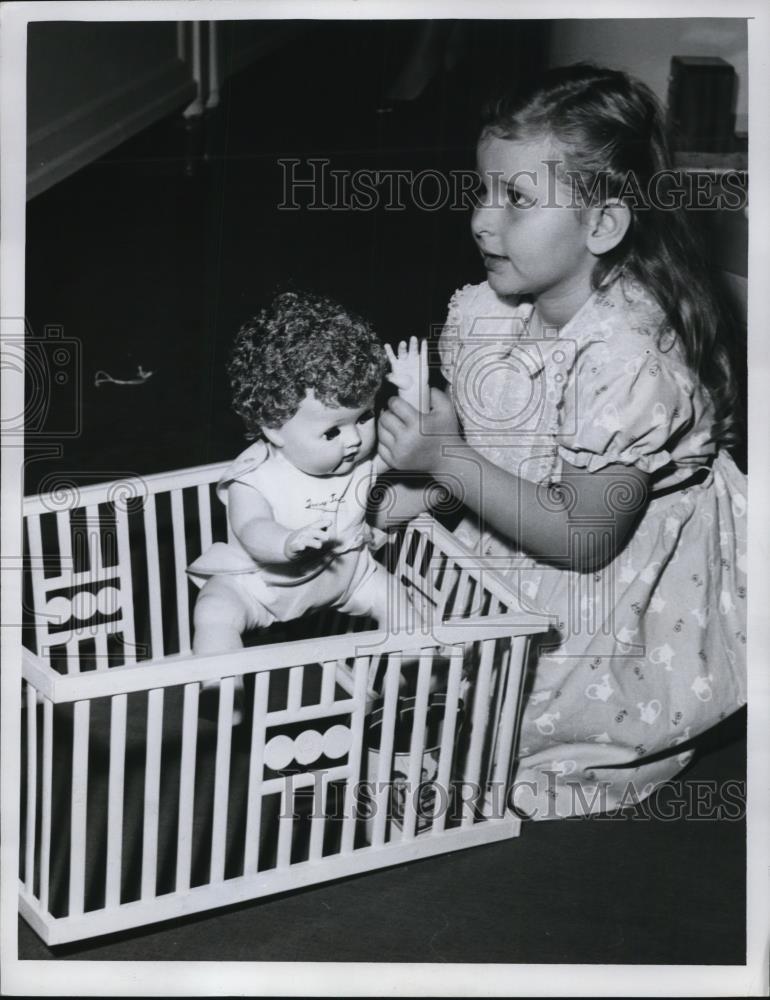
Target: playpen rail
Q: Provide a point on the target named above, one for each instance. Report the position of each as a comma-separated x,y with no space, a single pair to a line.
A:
119,491
184,668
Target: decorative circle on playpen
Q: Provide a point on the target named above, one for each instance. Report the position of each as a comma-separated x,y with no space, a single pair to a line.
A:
307,747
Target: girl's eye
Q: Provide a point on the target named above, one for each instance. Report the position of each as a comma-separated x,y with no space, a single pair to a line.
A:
366,417
332,433
518,199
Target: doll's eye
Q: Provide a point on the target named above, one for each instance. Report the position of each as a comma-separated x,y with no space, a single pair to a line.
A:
332,433
366,417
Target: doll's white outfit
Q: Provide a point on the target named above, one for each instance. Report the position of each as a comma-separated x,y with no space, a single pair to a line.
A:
342,575
650,650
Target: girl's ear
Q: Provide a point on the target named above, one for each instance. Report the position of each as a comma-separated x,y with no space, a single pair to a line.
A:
607,226
273,435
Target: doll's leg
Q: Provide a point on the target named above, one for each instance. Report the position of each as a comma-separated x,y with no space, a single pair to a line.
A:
220,618
383,597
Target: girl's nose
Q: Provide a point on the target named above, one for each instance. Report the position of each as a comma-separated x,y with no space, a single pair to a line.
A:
483,221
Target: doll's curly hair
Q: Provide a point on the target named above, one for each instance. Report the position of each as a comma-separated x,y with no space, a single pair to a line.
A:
302,341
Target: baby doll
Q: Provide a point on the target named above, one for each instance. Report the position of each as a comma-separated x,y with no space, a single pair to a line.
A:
305,374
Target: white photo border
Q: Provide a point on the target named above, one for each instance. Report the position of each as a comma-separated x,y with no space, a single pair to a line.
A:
84,978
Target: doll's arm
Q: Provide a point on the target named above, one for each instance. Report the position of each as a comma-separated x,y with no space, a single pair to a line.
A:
409,372
252,521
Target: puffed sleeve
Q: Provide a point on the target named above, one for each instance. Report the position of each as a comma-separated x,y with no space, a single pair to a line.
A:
451,333
625,402
475,312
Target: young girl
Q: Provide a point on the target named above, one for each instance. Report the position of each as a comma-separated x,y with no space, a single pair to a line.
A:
589,405
305,373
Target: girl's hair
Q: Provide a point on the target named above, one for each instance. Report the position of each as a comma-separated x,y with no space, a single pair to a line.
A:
302,342
610,134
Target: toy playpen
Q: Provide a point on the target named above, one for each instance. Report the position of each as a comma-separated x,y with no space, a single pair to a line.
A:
138,806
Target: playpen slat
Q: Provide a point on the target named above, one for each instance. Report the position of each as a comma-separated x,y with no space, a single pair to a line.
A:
29,859
34,534
126,591
94,542
153,577
448,730
152,793
328,679
460,607
387,730
294,696
471,777
222,779
285,826
508,713
118,707
100,650
318,821
254,796
449,573
417,744
204,515
494,713
46,793
64,537
360,679
180,562
78,809
187,787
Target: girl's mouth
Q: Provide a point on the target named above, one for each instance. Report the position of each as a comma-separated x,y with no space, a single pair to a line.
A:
492,260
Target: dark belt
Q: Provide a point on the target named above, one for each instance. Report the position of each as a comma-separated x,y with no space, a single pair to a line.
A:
699,476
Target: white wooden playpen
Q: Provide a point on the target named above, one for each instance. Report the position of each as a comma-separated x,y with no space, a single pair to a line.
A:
136,807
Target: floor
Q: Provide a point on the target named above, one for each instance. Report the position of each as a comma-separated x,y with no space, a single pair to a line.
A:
152,257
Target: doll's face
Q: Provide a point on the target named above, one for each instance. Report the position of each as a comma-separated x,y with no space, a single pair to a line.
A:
325,440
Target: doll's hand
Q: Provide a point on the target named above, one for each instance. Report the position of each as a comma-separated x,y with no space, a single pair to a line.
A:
312,536
413,441
409,372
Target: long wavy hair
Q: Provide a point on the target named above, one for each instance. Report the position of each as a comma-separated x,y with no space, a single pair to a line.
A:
610,134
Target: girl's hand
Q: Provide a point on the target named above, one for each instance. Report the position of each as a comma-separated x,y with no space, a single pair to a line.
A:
413,441
312,536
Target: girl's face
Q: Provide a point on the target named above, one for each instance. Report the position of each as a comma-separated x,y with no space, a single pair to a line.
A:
326,440
532,241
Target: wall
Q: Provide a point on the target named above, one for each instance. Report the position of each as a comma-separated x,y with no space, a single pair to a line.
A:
644,47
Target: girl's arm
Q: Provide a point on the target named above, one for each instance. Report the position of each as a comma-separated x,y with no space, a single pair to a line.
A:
397,498
579,524
252,521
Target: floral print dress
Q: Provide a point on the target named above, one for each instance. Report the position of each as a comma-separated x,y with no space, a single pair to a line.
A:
650,650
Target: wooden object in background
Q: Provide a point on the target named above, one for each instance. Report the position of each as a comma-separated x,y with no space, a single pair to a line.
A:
701,104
